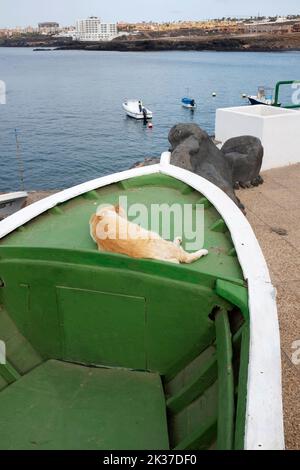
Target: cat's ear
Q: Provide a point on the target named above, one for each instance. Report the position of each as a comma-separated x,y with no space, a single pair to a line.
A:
95,218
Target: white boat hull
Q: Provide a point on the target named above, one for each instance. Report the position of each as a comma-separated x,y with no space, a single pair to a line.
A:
132,110
189,106
254,100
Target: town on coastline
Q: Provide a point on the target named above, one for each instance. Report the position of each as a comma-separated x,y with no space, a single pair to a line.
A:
254,33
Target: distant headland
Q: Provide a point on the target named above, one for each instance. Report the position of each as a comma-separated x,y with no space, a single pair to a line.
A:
256,43
261,33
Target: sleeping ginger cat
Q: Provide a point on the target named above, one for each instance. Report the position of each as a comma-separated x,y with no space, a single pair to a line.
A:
113,233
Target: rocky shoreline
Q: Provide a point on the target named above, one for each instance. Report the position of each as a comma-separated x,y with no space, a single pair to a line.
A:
253,43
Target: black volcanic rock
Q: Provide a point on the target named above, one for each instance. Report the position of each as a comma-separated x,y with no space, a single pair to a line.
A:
245,156
157,42
239,161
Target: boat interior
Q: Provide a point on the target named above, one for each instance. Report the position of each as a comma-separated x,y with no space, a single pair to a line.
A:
108,352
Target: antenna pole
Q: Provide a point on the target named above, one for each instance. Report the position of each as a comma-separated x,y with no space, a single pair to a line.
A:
19,160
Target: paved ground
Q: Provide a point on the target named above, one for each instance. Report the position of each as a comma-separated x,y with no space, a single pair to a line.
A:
273,210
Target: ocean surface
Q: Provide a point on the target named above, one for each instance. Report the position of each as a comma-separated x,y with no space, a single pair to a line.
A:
67,106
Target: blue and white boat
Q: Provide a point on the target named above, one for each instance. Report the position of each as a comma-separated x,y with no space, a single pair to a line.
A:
189,103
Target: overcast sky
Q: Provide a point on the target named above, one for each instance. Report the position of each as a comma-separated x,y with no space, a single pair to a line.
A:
30,12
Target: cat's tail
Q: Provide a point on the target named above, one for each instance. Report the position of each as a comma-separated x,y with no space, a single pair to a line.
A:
191,257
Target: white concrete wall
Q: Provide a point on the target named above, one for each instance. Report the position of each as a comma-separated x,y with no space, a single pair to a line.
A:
277,128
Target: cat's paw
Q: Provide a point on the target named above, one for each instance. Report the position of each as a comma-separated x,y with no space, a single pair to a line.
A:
178,241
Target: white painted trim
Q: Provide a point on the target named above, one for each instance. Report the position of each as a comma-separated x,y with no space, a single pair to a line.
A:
165,159
264,423
264,420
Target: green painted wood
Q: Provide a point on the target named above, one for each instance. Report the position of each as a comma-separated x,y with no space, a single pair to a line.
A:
19,351
156,189
180,369
205,202
200,439
110,331
188,371
237,338
56,210
242,390
175,331
207,375
68,301
232,252
69,407
225,383
277,100
157,180
3,383
237,295
219,226
187,190
91,196
9,373
188,423
191,273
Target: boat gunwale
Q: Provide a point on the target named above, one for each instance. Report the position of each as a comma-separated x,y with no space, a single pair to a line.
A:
264,414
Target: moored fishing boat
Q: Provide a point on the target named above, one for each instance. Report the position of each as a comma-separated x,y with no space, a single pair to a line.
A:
188,103
136,110
268,97
264,96
120,353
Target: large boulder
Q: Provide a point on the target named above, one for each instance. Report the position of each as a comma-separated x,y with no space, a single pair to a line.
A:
245,155
238,161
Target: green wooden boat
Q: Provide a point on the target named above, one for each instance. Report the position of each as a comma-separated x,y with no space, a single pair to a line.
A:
108,352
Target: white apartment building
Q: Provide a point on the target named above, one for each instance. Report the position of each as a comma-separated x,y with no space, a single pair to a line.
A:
92,29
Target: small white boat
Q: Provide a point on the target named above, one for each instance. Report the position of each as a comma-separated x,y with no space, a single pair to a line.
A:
136,110
264,96
11,203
